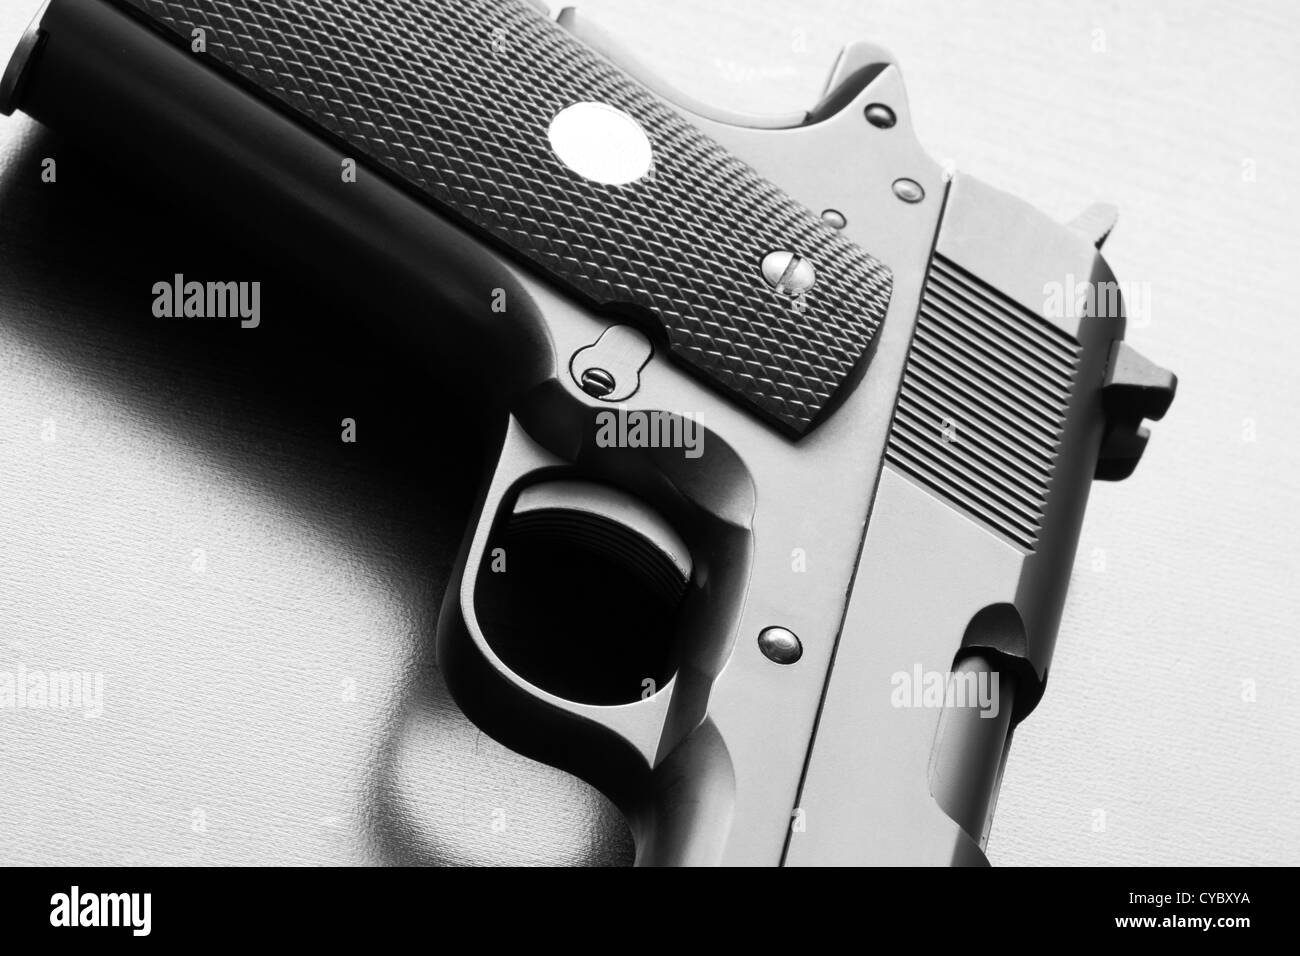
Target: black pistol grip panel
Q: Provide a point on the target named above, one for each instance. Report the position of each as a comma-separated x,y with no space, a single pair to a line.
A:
454,101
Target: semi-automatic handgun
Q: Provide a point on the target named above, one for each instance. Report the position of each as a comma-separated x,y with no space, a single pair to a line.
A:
793,428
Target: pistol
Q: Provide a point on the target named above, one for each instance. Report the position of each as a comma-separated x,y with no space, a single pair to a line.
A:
792,429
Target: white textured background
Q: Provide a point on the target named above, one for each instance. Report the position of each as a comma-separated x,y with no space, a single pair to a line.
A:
281,707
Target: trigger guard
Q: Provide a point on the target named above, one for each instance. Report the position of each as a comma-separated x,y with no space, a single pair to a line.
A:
486,688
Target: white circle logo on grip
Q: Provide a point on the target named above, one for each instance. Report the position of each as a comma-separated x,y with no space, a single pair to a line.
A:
601,143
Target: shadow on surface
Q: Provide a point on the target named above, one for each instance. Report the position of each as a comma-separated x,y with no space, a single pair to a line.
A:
264,406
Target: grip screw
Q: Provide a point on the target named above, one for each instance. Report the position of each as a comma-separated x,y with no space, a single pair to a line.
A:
788,273
780,645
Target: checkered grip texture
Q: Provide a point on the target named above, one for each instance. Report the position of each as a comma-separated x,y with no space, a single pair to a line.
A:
454,99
